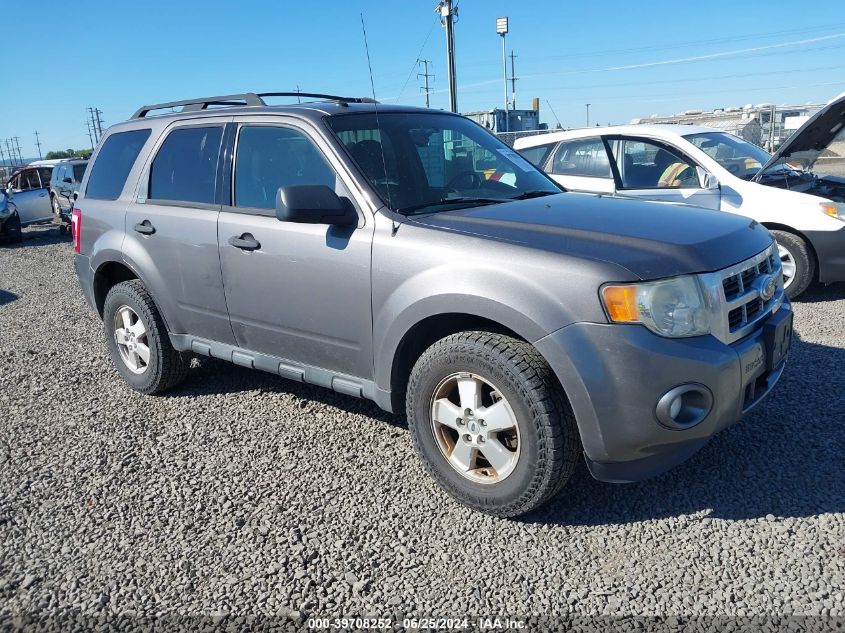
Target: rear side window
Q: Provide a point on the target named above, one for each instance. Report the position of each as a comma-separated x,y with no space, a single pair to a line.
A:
114,161
582,157
185,168
537,155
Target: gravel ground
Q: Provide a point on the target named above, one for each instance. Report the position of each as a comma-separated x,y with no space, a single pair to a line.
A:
240,493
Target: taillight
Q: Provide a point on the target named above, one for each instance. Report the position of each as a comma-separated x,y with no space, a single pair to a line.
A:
76,230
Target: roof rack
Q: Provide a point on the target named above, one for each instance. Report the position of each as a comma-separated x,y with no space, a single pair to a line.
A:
245,99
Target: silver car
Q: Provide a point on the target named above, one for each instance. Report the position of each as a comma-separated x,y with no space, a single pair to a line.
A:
29,189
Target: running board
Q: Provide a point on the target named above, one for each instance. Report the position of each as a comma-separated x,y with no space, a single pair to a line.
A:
341,383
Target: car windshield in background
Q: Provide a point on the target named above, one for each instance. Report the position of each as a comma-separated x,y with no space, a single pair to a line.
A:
737,155
426,163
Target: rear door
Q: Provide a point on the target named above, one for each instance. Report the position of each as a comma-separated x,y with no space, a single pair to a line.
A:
171,228
64,189
303,293
654,170
582,165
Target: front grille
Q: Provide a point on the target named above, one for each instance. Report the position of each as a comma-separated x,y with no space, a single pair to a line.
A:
738,304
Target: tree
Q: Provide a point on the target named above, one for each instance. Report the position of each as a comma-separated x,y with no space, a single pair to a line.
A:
69,153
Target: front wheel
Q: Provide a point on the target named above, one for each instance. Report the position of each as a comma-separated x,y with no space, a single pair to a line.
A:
57,211
138,342
797,262
12,229
490,422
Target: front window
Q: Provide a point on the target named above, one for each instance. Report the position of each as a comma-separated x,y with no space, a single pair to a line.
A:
426,163
738,156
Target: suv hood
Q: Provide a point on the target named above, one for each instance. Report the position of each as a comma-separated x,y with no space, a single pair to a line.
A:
810,141
650,239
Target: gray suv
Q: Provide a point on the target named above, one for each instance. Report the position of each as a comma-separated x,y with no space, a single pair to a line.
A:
409,257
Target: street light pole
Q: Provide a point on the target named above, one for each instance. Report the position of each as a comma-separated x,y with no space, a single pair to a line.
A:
588,114
448,13
502,29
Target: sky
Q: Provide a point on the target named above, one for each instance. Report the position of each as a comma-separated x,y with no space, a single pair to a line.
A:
627,59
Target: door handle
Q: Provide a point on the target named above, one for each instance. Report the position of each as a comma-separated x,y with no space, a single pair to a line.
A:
145,228
245,242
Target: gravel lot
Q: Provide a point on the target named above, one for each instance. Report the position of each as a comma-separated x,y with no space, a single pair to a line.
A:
241,493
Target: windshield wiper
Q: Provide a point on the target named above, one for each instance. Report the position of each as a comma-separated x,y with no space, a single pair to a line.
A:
450,201
534,194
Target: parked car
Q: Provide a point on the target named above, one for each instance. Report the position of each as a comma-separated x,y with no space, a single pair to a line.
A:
10,225
64,182
29,190
369,249
701,166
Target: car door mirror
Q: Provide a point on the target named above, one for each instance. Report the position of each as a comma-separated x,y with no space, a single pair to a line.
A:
313,204
708,181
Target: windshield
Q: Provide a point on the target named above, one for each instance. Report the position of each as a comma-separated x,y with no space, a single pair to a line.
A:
427,162
737,155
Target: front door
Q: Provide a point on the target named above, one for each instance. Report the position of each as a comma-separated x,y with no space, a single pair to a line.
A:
171,229
657,171
31,198
301,291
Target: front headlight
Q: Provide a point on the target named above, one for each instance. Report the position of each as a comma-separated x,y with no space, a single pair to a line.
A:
670,307
833,209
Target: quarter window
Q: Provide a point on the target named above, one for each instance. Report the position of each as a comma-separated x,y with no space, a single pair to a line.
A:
583,157
537,154
78,172
646,165
114,161
270,157
185,168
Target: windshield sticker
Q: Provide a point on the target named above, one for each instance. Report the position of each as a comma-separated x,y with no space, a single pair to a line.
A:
517,160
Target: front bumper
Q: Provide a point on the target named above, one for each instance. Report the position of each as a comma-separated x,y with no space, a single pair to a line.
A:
830,252
615,374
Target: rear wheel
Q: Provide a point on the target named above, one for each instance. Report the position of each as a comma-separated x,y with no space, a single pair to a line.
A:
138,342
490,422
797,262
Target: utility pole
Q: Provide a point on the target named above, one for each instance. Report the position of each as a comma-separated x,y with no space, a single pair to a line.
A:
94,115
18,146
588,114
38,144
12,160
298,98
502,30
425,75
772,129
2,156
448,14
90,136
514,79
99,112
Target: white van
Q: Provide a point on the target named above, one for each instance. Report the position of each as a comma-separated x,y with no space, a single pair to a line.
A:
799,193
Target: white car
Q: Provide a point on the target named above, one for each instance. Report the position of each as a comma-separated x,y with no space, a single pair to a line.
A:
799,194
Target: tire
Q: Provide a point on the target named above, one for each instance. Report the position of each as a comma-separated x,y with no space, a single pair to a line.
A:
57,212
546,446
12,229
794,250
164,367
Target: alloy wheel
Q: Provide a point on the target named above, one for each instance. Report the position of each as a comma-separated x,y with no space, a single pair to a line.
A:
131,338
787,262
475,428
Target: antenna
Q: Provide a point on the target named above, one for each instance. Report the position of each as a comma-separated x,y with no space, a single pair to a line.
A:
551,109
378,122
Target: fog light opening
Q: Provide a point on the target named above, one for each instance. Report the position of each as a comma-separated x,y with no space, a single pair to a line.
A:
684,406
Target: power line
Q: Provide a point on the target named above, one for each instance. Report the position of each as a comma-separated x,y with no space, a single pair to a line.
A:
425,75
414,67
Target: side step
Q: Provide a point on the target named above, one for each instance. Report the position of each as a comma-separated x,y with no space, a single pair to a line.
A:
341,383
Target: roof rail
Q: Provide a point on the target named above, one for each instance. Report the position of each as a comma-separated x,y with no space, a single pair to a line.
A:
245,99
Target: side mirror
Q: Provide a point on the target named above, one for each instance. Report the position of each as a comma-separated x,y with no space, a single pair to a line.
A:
708,181
313,204
68,180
